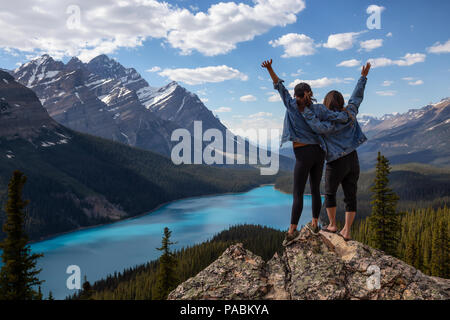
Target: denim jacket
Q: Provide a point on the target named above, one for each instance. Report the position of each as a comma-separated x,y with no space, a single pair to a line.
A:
296,128
340,138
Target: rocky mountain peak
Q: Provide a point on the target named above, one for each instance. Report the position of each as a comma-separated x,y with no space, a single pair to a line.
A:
38,69
320,266
74,64
106,67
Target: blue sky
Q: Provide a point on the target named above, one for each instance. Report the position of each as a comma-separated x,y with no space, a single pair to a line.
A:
219,59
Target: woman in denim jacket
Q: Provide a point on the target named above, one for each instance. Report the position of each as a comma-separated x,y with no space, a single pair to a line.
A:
342,160
309,147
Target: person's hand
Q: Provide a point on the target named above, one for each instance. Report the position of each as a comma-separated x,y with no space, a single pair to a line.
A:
365,69
267,64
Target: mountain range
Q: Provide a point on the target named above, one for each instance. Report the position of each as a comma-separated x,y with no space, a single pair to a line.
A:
78,180
419,135
105,99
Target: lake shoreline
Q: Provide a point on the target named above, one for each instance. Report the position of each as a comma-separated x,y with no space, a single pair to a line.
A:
147,212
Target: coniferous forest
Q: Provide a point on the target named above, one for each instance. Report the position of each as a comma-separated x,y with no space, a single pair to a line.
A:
93,181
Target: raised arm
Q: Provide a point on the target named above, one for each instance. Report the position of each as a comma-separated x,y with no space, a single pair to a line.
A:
268,65
358,93
289,102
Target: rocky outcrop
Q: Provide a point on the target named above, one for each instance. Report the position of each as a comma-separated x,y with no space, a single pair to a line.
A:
320,266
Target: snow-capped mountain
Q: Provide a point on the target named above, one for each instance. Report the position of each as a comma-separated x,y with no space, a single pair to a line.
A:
419,135
105,99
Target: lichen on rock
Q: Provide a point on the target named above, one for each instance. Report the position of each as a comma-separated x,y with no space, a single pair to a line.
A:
315,267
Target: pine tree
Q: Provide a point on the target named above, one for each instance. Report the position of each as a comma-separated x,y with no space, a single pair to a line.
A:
50,296
167,278
18,274
440,251
86,291
39,295
411,253
384,225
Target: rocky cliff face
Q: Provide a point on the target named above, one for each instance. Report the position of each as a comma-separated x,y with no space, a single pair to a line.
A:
315,267
21,114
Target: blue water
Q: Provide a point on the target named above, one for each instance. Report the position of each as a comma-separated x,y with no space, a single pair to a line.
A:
100,251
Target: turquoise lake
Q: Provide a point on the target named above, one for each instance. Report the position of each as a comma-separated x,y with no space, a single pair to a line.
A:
100,251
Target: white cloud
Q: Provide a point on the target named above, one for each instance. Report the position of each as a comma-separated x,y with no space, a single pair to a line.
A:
248,98
440,48
154,69
204,74
349,63
407,60
223,109
202,92
105,26
295,45
387,83
297,73
387,93
412,81
416,83
274,97
321,83
342,41
370,45
261,115
389,34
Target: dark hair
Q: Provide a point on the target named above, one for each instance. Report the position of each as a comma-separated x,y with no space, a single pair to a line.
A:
334,100
301,88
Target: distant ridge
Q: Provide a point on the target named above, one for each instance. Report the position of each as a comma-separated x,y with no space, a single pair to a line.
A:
419,135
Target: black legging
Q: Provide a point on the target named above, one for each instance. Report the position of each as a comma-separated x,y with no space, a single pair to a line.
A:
309,161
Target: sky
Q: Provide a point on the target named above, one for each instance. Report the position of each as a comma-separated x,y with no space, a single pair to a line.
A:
215,49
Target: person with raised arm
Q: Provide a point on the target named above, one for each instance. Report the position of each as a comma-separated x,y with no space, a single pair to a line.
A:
342,159
309,147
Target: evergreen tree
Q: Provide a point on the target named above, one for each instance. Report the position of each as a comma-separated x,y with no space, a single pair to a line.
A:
39,295
411,253
384,223
50,296
18,274
166,279
86,291
440,251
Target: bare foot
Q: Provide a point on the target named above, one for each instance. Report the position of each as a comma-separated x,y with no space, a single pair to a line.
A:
330,228
345,234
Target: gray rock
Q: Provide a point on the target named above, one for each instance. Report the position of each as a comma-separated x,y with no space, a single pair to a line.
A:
315,267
